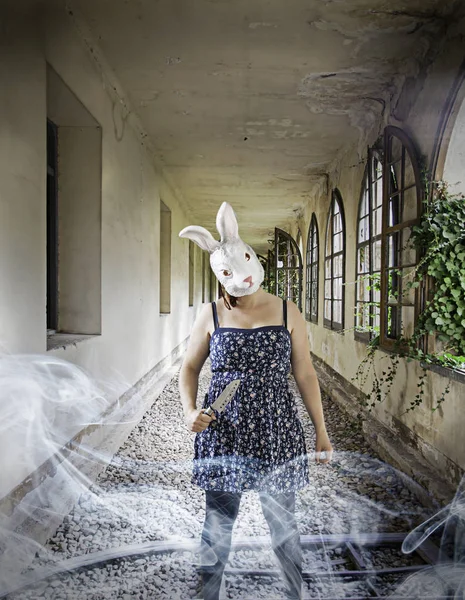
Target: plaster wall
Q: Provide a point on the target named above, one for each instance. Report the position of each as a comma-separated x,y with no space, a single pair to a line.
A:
22,187
438,435
80,225
134,336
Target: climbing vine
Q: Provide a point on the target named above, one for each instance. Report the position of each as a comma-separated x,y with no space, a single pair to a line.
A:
440,239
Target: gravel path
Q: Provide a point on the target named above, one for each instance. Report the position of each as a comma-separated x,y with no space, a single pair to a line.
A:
145,495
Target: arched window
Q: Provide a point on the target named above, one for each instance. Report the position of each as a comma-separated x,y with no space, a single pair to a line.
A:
334,265
312,264
299,241
287,268
368,276
402,199
390,205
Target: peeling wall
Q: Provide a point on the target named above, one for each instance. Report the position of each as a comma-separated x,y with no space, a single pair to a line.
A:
439,435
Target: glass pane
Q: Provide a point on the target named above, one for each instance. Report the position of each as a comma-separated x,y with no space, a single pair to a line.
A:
314,274
337,223
410,204
376,250
328,268
392,322
337,287
314,296
364,229
366,317
392,249
358,316
328,288
328,237
408,293
378,191
338,241
338,265
394,211
315,254
314,239
408,254
337,308
377,221
394,282
361,317
364,204
396,148
327,313
367,291
376,320
409,176
363,260
361,285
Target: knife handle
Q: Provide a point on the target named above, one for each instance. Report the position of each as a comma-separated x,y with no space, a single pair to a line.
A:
213,423
209,411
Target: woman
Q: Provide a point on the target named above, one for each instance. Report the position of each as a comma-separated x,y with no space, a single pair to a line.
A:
257,443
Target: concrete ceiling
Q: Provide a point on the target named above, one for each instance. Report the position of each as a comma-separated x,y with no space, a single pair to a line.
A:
252,101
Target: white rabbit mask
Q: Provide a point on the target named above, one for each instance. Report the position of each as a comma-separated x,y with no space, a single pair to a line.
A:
233,261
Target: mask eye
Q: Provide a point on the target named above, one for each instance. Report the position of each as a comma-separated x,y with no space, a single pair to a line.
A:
226,273
247,256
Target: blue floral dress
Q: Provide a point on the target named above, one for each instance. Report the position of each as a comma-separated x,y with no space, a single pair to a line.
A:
258,442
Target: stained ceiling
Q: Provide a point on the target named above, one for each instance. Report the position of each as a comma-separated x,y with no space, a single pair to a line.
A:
253,101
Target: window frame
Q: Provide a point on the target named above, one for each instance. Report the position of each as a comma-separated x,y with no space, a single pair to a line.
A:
368,184
165,259
313,242
391,133
203,278
330,323
292,252
52,226
191,272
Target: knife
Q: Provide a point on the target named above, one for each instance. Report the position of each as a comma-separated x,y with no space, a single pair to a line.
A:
223,399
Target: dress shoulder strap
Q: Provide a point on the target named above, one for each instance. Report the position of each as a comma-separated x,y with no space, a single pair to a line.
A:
285,313
215,315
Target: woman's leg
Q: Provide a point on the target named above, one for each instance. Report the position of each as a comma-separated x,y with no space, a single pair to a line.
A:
220,514
279,512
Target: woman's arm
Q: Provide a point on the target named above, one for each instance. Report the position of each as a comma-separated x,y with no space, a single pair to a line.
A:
306,378
194,359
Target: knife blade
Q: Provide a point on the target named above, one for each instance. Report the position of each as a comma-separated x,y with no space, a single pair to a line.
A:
223,399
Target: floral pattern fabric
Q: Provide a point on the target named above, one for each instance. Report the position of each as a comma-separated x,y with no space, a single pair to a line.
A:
258,442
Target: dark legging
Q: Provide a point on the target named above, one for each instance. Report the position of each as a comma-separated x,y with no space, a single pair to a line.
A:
221,512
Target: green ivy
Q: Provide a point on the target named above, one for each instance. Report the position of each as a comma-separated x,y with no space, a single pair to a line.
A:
440,239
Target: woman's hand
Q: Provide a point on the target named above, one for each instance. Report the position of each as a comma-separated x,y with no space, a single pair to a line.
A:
197,420
323,445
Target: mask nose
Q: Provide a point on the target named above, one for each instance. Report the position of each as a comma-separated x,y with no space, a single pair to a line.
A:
248,279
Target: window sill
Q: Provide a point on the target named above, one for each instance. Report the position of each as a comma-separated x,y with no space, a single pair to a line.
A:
336,329
448,372
63,340
452,374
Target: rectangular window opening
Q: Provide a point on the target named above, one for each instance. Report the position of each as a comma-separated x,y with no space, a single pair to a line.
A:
165,259
191,272
74,216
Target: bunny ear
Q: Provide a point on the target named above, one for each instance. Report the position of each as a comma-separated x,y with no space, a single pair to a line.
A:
201,236
226,223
